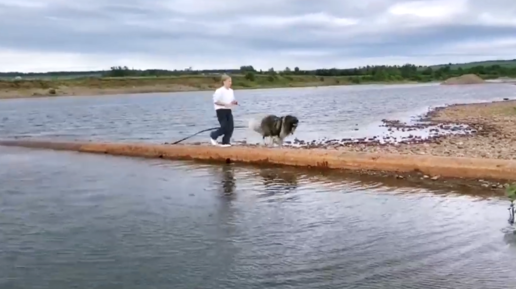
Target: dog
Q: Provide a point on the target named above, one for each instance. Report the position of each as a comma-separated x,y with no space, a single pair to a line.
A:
274,127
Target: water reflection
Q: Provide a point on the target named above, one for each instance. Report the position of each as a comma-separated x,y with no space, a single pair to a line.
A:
228,181
83,220
277,180
509,236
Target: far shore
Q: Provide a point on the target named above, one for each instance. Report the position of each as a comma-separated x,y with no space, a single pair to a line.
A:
139,85
97,86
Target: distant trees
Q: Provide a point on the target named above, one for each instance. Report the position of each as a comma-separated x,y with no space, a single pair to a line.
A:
379,73
121,71
250,76
247,68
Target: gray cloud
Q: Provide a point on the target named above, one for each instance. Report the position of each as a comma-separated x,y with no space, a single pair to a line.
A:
172,34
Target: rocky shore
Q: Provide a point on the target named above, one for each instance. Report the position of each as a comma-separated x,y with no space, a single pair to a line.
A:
482,130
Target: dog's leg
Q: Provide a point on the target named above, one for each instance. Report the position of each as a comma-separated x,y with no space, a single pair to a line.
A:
267,142
264,142
280,142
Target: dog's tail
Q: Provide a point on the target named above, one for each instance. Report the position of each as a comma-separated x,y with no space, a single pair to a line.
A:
255,123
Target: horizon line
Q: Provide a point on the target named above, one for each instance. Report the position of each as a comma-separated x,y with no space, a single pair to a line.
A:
233,69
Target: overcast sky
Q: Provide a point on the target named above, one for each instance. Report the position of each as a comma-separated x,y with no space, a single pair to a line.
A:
49,35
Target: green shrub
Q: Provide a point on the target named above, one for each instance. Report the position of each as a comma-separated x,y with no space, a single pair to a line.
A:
250,76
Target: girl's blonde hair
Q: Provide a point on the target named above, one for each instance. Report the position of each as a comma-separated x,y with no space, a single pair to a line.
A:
224,77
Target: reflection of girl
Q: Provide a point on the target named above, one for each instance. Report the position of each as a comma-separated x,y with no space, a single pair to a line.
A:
228,180
223,100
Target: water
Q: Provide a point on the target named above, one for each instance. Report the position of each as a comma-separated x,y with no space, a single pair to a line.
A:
331,112
70,220
73,220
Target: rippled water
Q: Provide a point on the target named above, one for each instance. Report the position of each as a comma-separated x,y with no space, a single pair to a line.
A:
333,112
70,220
91,221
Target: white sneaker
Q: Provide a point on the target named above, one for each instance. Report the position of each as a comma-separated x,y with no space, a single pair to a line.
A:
225,145
214,142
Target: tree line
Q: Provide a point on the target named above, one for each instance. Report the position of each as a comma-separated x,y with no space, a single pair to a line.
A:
409,72
372,73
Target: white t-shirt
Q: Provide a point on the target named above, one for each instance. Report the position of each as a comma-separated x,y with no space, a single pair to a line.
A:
224,95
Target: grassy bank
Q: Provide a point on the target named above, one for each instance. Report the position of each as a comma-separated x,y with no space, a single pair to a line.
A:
125,85
123,80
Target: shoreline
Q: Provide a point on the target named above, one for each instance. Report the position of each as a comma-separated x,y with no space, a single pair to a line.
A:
109,86
483,130
449,171
463,130
70,91
472,128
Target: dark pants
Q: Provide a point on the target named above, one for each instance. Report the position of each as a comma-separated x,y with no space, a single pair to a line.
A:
225,117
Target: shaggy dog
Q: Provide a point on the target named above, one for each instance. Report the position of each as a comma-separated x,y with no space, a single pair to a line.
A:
277,128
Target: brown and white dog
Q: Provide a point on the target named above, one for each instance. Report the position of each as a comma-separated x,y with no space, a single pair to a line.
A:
274,127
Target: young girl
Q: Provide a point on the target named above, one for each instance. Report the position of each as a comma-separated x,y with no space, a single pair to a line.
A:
223,101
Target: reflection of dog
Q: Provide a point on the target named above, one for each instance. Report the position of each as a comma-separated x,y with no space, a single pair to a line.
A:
277,128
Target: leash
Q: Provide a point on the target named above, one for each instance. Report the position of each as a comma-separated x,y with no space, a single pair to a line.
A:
204,130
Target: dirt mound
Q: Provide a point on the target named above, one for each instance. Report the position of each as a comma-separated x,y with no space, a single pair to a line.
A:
463,79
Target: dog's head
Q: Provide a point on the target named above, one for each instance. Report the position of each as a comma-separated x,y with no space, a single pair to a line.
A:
290,124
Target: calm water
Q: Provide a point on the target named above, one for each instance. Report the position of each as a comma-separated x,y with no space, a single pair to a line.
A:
89,221
323,111
71,220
